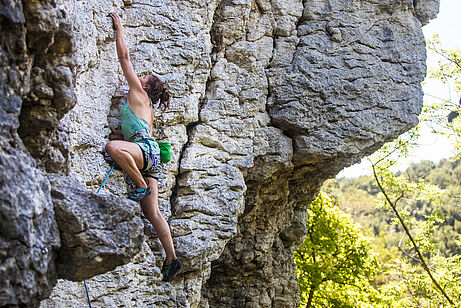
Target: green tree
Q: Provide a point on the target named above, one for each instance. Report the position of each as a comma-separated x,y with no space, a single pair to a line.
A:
409,286
402,282
335,263
402,196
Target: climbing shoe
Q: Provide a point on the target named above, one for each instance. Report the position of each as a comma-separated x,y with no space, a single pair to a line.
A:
139,194
169,271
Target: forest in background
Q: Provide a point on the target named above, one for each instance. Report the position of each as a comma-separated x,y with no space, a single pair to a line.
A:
356,253
358,197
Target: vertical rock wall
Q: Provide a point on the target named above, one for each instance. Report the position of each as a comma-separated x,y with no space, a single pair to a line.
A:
172,40
36,90
29,236
270,98
330,65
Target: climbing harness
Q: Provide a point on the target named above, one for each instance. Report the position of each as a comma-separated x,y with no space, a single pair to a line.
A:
165,156
103,182
144,134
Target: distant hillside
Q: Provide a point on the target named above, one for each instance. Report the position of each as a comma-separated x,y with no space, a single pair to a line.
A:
358,197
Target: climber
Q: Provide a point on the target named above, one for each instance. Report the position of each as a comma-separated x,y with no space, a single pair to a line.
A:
136,151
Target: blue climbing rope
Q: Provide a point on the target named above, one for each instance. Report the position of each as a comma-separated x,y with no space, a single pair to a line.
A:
103,182
87,296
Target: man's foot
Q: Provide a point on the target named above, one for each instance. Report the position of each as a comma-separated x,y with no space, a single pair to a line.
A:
139,194
169,271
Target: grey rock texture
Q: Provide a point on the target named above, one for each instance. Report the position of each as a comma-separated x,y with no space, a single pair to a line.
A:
28,233
36,90
426,10
99,231
329,71
270,98
51,93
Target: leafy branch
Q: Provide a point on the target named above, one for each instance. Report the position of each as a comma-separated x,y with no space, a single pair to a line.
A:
443,53
407,231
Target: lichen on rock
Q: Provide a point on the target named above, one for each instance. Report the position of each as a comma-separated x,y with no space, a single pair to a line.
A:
270,98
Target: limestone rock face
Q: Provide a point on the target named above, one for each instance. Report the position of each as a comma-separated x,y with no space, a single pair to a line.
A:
326,89
270,98
99,231
28,234
426,10
36,90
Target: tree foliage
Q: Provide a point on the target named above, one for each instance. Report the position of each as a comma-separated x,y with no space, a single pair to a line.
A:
358,197
389,274
418,232
410,286
335,263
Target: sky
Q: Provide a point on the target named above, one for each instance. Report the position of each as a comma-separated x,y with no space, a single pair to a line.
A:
448,26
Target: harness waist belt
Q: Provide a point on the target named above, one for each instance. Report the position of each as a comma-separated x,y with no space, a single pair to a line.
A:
144,133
